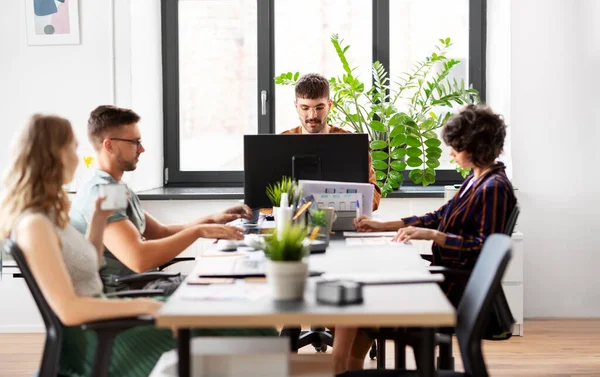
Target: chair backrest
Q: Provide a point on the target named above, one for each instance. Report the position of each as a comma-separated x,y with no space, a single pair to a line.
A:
512,221
54,333
476,303
501,314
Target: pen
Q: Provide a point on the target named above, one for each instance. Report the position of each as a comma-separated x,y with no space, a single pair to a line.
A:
357,209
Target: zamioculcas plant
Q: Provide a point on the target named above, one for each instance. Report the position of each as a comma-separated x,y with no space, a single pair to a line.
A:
401,117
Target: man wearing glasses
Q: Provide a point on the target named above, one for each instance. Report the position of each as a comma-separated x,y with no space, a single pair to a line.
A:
313,105
134,241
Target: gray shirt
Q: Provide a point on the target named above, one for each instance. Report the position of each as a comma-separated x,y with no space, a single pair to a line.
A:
80,258
82,208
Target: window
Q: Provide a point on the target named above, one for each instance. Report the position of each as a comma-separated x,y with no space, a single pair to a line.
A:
217,82
220,58
416,28
302,44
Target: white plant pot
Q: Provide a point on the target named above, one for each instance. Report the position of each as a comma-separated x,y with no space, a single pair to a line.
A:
287,279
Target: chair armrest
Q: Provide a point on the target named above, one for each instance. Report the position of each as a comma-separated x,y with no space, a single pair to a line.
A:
135,293
119,324
176,260
145,276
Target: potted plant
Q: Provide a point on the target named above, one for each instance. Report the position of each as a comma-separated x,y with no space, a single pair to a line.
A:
318,218
286,185
400,117
287,268
275,190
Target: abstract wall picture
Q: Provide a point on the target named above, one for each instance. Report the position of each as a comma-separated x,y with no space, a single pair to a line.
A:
52,22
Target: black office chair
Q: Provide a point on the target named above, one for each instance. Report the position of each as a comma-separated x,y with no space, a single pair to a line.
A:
472,314
502,314
318,337
501,323
105,330
148,276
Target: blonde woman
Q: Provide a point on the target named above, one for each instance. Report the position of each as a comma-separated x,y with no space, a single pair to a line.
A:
34,212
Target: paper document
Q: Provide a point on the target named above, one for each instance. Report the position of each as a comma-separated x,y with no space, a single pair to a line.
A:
387,278
369,234
370,241
242,292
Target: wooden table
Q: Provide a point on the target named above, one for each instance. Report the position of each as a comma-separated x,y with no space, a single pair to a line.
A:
401,305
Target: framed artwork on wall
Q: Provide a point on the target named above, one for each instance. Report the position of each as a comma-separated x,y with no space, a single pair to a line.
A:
52,22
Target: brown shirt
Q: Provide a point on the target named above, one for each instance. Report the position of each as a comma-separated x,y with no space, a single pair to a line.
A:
372,179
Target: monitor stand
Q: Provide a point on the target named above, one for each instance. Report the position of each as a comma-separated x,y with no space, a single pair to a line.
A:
306,167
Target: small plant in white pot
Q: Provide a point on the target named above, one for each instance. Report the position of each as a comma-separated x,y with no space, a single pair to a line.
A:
318,218
287,268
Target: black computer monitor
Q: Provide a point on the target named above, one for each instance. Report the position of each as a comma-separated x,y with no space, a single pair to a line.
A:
325,157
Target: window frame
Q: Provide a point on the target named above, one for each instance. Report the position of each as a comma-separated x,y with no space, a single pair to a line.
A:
174,177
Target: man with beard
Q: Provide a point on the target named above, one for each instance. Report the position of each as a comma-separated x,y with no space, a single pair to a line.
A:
133,240
313,105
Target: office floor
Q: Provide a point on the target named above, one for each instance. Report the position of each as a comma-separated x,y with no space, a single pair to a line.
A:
550,348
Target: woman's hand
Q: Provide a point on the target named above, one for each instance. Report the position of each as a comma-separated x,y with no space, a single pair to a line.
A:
221,232
367,224
414,233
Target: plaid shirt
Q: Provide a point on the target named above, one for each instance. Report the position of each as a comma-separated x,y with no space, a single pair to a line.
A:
372,179
470,217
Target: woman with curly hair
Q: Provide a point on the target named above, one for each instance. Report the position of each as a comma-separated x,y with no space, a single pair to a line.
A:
34,213
459,228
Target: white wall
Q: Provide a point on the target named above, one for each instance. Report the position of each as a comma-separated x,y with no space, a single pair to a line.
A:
554,95
498,69
71,80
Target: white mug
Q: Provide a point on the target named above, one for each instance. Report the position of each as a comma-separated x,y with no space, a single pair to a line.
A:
116,196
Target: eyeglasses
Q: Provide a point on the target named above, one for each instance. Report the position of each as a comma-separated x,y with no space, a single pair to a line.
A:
136,142
318,109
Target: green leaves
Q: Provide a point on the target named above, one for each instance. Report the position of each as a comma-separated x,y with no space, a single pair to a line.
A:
398,153
288,246
378,144
402,115
414,162
396,176
414,152
398,165
377,126
413,142
379,155
287,78
433,142
380,165
416,176
428,176
430,134
398,140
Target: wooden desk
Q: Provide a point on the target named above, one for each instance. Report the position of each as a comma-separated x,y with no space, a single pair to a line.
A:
401,305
